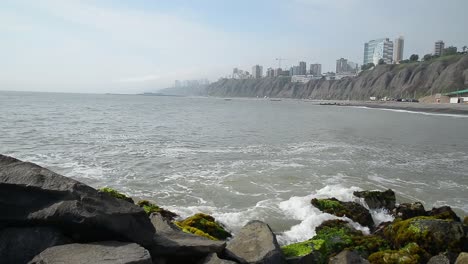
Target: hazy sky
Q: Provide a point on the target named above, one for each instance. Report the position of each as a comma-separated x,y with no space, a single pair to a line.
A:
134,45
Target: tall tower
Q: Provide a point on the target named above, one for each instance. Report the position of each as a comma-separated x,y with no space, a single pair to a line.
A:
439,48
399,46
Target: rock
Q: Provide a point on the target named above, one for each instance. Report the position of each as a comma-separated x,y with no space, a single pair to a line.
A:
432,235
352,210
20,245
32,195
94,253
444,212
162,224
307,259
180,244
409,210
465,220
203,225
411,253
377,199
213,259
348,257
257,244
116,194
462,258
439,259
153,208
379,230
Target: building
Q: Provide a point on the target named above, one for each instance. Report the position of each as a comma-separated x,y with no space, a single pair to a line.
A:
277,72
345,66
270,72
177,84
302,68
377,49
316,69
456,97
439,48
398,48
304,78
257,71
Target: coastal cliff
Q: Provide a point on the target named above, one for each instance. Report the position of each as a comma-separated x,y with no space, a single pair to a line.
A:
418,79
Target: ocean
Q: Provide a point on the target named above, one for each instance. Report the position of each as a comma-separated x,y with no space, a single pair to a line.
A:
240,159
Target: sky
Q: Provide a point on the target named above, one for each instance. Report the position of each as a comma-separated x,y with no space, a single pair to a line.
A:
134,46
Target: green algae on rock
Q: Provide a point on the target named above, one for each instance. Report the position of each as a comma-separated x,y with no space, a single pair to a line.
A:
150,208
114,193
410,254
378,199
352,210
432,234
203,225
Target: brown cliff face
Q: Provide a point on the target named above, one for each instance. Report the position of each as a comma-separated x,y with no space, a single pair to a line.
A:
440,75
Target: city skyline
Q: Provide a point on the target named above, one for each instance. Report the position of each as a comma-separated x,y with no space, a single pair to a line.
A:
131,47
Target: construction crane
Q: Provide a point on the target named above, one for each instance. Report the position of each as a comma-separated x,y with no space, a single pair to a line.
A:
279,61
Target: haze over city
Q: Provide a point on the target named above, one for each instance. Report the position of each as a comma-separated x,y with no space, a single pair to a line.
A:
118,47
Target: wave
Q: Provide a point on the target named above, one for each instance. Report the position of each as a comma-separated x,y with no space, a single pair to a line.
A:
413,112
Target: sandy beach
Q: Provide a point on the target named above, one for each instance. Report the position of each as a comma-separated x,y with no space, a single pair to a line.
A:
461,109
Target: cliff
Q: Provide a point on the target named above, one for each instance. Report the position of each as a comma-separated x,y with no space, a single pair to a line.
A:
410,80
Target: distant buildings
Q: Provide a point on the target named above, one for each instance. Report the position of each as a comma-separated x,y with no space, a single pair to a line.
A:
343,66
398,48
191,83
377,49
302,68
257,71
316,69
277,72
240,74
439,48
270,72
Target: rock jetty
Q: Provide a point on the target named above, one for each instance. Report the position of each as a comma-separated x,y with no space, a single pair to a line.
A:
48,218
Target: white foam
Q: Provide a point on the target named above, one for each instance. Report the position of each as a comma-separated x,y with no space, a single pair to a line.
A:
300,208
413,112
381,215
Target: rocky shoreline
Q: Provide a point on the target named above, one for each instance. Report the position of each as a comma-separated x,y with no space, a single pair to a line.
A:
49,218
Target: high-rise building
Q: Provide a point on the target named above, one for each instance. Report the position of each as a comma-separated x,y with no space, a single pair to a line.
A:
177,84
277,72
377,49
302,68
398,48
270,72
316,69
341,65
439,48
257,71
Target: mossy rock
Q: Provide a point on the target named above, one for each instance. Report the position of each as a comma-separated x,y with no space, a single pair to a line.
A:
378,199
432,234
352,210
153,208
116,194
332,237
203,225
410,254
444,212
409,210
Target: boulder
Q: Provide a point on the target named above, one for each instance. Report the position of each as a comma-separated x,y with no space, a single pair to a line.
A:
214,259
462,258
411,253
432,235
162,224
31,195
180,244
94,253
20,245
444,212
378,199
257,244
348,257
352,210
439,259
203,225
150,208
409,210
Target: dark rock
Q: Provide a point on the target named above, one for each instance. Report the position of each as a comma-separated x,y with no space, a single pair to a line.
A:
257,244
213,259
462,258
465,220
180,244
20,245
162,224
379,230
203,225
32,195
352,210
348,257
378,199
439,259
444,212
150,208
432,235
94,253
409,210
307,259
